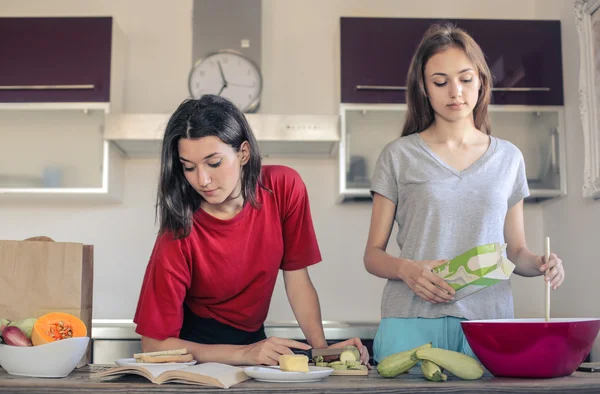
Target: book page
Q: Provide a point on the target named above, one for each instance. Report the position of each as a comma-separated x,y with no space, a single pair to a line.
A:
215,374
150,372
156,370
191,382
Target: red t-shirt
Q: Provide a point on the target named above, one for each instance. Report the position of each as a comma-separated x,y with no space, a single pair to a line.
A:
227,269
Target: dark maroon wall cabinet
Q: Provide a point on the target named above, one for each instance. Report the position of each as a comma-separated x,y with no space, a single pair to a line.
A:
525,58
375,55
55,59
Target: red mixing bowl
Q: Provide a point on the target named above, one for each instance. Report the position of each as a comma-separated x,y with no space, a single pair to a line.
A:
531,348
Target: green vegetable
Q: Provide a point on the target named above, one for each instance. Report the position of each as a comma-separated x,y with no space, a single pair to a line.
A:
397,363
353,364
350,353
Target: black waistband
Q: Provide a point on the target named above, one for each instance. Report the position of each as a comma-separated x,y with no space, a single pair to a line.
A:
212,332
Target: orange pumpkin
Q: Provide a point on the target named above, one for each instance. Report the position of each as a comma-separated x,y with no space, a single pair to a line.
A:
55,326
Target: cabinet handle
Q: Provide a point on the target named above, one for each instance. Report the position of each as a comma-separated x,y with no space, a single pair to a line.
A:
521,89
379,87
388,87
554,147
46,87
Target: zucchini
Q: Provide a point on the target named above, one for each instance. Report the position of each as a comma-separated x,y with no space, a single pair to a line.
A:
432,371
353,364
397,363
350,353
459,364
318,359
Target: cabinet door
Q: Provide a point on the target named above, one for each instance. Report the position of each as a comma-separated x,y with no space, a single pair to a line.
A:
46,150
375,55
524,56
55,59
537,132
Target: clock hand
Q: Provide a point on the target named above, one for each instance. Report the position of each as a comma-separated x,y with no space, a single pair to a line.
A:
222,75
239,84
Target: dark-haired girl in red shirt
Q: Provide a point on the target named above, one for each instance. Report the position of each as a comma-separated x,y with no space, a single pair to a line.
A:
227,226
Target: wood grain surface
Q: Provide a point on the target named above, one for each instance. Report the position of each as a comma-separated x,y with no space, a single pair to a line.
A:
79,382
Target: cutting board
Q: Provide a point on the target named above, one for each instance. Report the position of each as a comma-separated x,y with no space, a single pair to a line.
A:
347,372
354,372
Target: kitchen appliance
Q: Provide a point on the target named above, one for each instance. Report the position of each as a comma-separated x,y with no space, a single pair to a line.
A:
230,31
140,135
531,348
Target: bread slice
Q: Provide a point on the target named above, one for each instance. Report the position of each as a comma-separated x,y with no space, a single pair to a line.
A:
179,358
172,352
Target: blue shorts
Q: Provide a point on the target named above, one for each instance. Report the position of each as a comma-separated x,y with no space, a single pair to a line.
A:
396,335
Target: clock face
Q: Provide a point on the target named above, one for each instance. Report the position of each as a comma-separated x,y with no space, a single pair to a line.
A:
230,75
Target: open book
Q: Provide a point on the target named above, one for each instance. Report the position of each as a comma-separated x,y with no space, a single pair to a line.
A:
206,374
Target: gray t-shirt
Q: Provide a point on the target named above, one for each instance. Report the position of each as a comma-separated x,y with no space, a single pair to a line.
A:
442,213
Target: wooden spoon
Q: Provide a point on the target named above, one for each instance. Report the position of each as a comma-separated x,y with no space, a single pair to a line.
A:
547,283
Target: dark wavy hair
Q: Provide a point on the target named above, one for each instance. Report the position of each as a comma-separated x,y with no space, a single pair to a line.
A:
437,38
208,116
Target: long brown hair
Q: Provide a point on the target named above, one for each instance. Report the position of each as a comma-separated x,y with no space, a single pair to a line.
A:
438,38
210,115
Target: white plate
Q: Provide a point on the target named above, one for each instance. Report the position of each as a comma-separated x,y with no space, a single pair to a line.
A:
274,374
128,362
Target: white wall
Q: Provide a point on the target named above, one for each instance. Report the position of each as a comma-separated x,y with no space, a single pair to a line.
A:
572,222
301,71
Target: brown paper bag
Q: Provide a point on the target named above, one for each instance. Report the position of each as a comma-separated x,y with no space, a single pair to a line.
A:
38,277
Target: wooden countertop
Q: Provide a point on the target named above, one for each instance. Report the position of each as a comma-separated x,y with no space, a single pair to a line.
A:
79,381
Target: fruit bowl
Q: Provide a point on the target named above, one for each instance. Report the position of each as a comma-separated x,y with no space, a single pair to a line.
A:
531,348
51,360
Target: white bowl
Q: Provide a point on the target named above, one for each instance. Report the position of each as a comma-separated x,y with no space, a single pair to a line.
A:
52,360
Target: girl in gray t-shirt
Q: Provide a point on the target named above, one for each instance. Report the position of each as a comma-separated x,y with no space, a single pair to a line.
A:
450,186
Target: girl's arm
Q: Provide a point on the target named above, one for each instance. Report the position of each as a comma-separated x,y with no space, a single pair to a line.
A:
228,354
264,352
376,260
527,263
305,305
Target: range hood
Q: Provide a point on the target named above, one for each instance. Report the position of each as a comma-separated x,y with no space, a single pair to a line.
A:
140,135
231,24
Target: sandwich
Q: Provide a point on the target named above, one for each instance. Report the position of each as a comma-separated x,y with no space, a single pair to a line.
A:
164,356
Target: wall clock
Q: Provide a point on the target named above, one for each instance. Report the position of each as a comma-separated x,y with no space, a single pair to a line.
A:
228,74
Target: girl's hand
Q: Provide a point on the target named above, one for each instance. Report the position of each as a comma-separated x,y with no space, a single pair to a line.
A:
356,342
268,350
553,270
427,285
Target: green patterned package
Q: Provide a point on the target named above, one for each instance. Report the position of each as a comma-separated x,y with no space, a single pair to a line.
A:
476,269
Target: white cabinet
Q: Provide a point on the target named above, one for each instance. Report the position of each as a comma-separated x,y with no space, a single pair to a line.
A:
57,156
537,131
52,120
